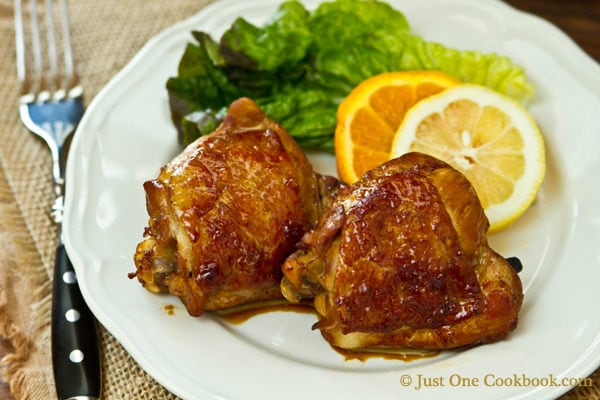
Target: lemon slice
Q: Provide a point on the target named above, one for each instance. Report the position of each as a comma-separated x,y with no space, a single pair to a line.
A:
367,119
487,136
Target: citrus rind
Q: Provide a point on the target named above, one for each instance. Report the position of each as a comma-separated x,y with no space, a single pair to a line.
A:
353,155
499,158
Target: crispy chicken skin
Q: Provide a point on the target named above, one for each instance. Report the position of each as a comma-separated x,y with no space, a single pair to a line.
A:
226,212
400,260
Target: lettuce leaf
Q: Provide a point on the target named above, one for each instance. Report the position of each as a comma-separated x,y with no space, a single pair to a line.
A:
300,65
282,42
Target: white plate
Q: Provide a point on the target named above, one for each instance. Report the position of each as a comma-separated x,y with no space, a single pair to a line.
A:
126,135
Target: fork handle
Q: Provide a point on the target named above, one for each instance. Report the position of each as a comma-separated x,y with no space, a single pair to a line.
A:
75,350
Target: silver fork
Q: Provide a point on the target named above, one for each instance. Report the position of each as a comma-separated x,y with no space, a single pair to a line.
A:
51,105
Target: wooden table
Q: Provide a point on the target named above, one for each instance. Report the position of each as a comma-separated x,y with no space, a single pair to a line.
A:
580,19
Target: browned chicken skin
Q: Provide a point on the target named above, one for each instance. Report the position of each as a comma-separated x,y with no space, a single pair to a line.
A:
401,260
226,212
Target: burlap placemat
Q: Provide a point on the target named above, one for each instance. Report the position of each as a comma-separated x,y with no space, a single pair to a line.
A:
105,35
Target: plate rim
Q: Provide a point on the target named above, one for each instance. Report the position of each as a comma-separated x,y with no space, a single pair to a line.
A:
585,64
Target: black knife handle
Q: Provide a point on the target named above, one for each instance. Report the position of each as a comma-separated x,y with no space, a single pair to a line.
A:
75,350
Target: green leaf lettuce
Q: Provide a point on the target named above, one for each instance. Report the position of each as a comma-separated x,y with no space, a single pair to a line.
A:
301,64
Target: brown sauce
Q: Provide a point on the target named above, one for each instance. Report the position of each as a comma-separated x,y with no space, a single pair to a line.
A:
241,316
366,355
169,309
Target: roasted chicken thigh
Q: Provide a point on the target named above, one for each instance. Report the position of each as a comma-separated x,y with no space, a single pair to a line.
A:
226,212
400,260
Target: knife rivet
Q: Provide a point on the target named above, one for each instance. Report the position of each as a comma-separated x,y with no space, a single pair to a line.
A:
69,277
76,356
72,315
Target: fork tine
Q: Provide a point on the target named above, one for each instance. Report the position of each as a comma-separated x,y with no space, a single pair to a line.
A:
20,45
70,74
36,47
51,49
46,75
29,85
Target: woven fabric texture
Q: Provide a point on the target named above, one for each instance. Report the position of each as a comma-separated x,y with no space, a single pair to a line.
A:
105,35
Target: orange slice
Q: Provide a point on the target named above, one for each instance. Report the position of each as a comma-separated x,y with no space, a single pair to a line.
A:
368,118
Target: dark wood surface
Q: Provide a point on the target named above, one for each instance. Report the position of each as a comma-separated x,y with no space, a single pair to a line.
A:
580,19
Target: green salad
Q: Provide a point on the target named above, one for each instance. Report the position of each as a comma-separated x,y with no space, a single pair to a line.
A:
301,63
